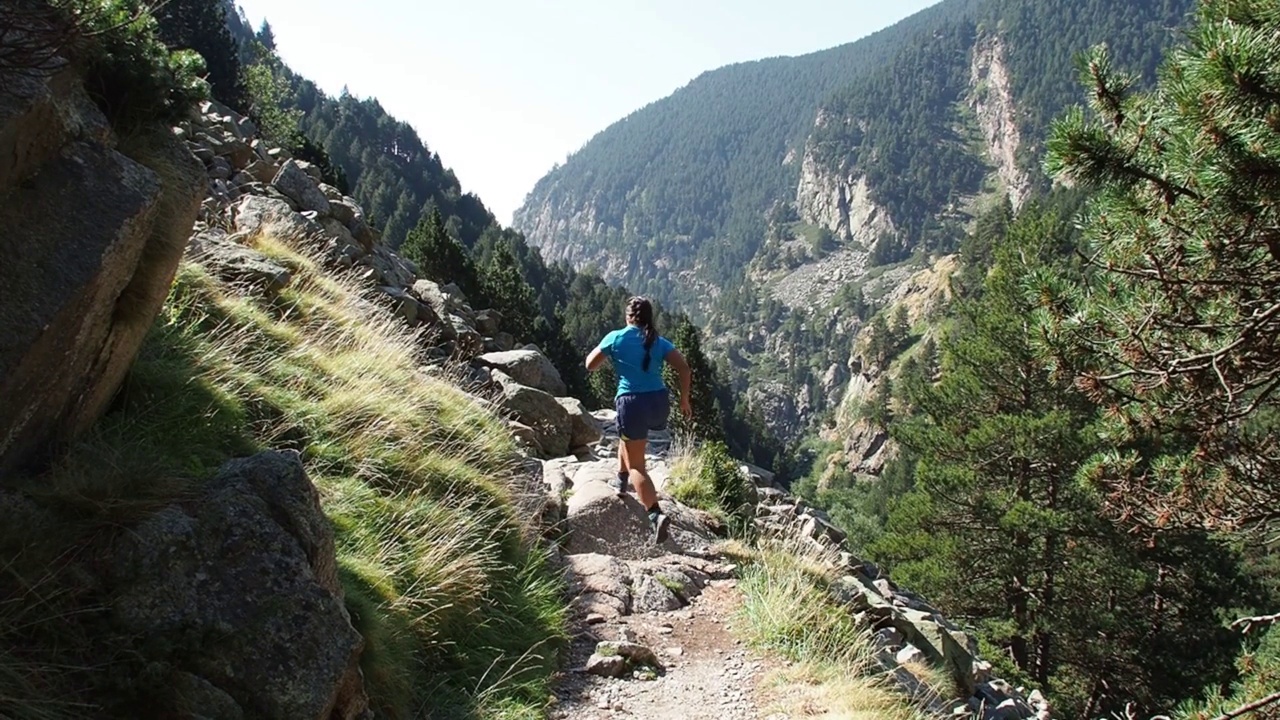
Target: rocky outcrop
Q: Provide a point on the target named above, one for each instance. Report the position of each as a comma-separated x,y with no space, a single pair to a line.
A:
92,238
841,202
549,421
992,102
567,230
904,627
297,207
240,589
527,367
865,447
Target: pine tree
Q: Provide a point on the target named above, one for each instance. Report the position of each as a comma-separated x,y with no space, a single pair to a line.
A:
266,36
880,343
999,444
878,409
900,330
505,289
201,25
708,420
439,256
270,98
1177,333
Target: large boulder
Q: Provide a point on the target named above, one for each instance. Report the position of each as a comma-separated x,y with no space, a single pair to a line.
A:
584,428
599,520
391,269
540,412
91,242
236,263
271,216
468,341
262,171
40,113
489,322
240,588
526,367
294,182
339,233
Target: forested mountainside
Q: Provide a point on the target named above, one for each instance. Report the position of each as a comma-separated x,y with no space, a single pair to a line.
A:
690,178
783,201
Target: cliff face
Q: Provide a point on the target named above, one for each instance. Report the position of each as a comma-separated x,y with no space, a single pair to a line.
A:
93,234
839,201
992,102
864,446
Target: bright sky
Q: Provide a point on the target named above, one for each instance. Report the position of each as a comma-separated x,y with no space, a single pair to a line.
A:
504,89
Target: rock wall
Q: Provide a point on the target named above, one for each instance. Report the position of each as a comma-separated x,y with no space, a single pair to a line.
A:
865,447
841,202
905,627
992,102
93,235
564,230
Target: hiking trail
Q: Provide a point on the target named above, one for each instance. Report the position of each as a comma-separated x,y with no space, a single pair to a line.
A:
652,625
677,600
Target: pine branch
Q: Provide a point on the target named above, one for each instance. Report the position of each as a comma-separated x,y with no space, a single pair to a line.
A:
1251,707
1250,623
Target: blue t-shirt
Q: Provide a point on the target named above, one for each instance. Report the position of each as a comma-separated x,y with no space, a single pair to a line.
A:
625,348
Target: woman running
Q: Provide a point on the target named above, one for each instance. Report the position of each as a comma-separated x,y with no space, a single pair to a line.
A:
643,401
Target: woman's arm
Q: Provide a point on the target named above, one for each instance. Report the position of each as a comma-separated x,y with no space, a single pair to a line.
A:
595,359
677,361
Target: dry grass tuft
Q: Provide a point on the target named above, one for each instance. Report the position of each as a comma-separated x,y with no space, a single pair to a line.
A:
787,610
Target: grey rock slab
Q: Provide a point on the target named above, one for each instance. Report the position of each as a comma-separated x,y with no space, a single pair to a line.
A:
238,264
613,666
599,521
294,182
241,587
529,368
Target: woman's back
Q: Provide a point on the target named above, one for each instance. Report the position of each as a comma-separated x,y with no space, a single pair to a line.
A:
625,347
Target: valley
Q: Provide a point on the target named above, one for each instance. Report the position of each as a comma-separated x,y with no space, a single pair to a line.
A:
979,311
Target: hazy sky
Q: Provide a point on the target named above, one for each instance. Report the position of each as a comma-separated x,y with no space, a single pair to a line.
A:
504,89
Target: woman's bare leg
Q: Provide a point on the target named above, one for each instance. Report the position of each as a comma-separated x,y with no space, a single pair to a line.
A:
634,458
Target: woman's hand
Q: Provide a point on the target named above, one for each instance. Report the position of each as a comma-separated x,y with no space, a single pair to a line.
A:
685,408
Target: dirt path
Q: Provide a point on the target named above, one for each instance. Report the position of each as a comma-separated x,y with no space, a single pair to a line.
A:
708,673
677,599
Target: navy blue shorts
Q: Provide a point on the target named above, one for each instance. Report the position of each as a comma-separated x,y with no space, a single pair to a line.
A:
642,413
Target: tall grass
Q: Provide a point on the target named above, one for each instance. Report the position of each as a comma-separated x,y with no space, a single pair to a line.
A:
707,477
458,607
787,610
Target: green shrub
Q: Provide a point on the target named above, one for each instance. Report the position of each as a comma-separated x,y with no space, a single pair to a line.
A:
709,479
128,71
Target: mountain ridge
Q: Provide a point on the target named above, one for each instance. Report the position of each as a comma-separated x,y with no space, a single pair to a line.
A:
887,153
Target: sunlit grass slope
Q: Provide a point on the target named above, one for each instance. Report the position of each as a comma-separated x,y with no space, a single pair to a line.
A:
459,609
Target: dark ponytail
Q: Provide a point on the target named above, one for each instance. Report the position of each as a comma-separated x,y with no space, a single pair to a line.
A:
640,314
